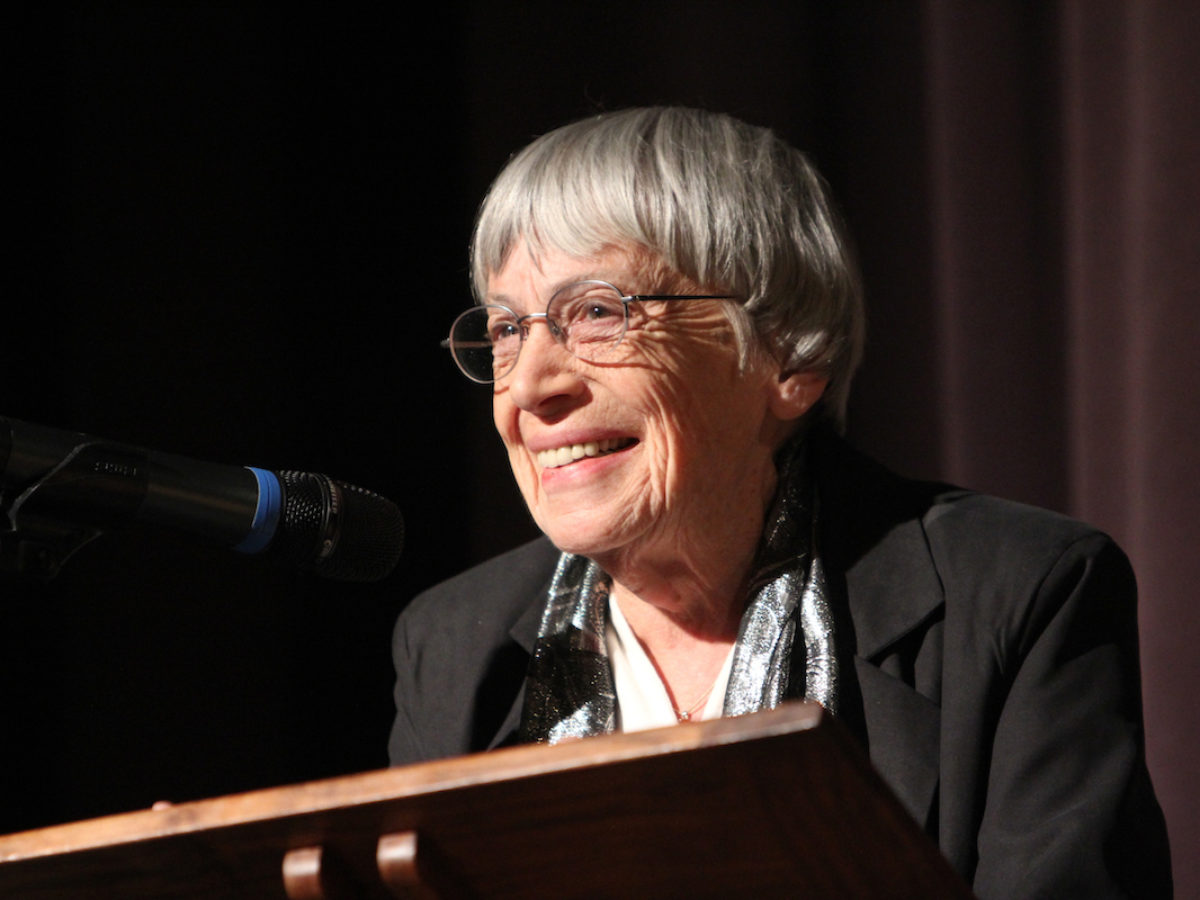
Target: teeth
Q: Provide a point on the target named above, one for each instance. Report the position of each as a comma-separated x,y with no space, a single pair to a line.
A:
560,456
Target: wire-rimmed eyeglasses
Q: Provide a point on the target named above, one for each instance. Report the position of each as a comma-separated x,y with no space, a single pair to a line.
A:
589,318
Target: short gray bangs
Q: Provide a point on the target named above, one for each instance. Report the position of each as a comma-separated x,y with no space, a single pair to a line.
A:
575,190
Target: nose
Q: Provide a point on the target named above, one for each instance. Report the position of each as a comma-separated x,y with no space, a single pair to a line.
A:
544,378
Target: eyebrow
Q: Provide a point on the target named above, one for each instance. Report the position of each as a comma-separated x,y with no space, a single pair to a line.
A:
505,300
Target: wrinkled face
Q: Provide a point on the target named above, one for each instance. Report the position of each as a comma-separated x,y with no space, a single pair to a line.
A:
662,447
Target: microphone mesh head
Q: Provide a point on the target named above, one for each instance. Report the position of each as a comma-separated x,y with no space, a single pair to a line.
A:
337,530
371,539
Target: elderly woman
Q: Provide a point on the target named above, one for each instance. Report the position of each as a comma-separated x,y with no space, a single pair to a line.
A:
669,320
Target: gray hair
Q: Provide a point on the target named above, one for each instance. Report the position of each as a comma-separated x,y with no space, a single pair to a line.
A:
728,205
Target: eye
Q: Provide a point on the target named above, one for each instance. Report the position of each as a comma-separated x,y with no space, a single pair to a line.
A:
501,330
596,310
588,306
593,319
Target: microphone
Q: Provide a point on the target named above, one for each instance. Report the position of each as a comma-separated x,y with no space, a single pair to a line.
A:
60,489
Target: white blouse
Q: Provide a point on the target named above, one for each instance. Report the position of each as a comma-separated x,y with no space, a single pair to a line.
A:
642,699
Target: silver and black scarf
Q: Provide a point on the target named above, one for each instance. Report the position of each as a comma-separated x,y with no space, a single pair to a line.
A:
569,686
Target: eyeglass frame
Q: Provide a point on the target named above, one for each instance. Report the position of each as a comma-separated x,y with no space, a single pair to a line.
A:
557,330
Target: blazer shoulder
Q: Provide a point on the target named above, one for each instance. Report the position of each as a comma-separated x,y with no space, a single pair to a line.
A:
909,547
972,534
1015,577
495,592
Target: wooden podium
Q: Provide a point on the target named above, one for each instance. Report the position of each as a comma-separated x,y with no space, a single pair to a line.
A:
775,804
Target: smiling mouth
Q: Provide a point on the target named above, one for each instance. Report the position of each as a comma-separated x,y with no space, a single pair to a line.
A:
562,456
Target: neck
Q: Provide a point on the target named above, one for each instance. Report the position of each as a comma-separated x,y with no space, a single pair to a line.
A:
680,607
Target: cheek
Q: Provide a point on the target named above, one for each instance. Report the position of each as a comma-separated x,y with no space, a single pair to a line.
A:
504,417
708,423
504,420
502,414
692,399
677,436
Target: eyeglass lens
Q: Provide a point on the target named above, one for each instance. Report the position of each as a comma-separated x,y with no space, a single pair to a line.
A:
587,318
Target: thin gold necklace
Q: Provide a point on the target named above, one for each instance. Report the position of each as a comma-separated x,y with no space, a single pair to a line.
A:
683,715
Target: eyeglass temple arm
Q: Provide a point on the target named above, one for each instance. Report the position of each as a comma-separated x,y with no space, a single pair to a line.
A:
633,297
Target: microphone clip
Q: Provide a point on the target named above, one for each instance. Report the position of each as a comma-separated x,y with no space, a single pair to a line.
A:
95,488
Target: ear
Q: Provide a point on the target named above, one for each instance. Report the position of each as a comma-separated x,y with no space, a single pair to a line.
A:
795,393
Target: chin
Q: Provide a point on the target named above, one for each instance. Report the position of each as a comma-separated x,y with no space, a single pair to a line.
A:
583,541
568,542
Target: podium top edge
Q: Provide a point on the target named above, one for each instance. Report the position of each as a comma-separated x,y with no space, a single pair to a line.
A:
306,798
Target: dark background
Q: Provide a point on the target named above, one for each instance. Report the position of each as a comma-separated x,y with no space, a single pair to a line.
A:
238,233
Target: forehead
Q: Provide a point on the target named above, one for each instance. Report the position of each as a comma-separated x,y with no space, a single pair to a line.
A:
529,279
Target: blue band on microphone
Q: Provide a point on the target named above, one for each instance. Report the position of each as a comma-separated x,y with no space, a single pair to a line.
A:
266,515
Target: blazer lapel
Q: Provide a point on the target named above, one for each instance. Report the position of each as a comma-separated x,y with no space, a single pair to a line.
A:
894,592
873,536
523,633
903,730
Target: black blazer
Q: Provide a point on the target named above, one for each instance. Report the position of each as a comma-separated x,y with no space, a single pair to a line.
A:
990,669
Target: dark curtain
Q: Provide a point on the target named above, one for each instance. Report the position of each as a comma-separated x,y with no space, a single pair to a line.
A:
239,234
1063,161
1131,269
